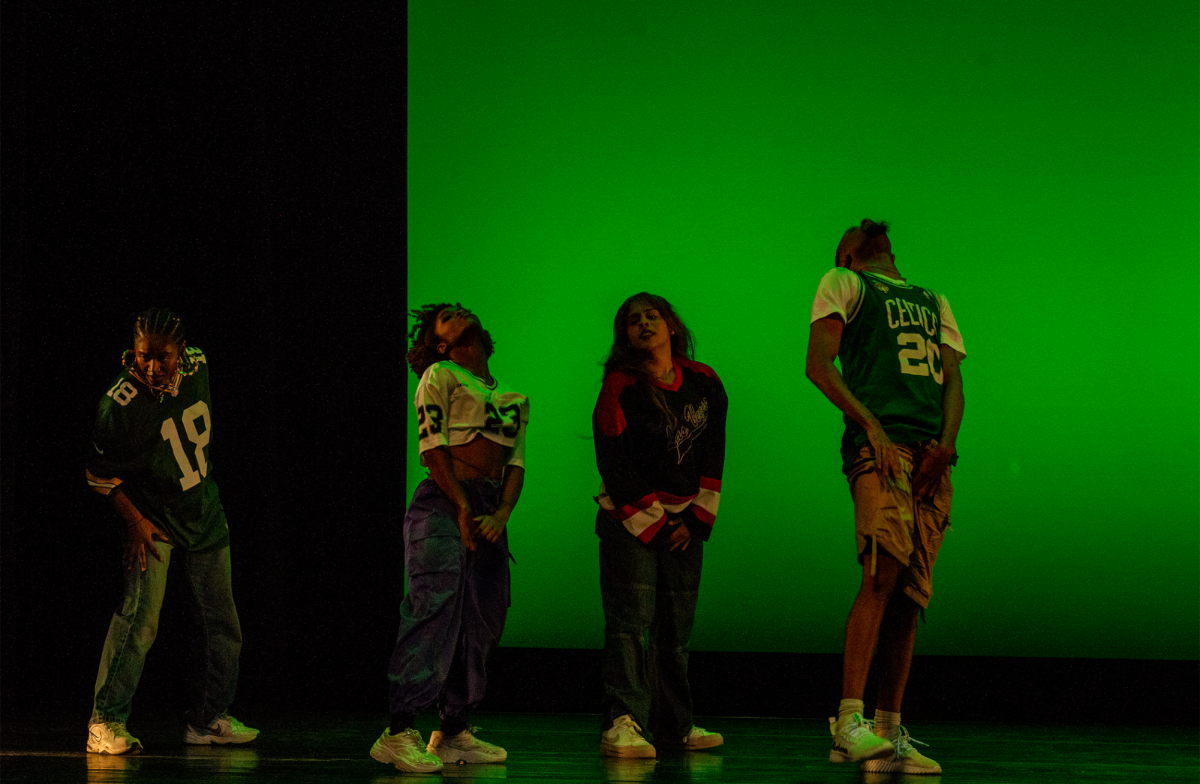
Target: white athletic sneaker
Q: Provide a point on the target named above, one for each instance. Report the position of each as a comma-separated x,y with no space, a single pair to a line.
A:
225,729
700,738
906,759
857,741
406,750
464,747
111,738
625,739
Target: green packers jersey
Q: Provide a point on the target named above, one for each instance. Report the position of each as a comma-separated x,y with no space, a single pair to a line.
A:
157,453
891,360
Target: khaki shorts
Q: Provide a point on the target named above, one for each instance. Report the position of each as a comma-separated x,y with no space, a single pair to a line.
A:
884,518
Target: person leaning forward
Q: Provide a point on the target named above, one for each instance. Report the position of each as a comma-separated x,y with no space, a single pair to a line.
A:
901,395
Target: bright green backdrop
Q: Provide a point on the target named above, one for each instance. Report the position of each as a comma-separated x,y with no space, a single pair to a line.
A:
1038,162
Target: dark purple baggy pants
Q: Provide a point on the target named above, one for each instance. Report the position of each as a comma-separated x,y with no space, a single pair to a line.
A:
453,614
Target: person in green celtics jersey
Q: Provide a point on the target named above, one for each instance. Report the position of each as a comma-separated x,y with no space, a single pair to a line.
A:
150,457
901,395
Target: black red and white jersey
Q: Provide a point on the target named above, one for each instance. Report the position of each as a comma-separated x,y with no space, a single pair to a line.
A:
651,467
454,406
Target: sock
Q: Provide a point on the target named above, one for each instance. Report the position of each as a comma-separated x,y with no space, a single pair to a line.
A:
401,722
885,722
845,709
452,727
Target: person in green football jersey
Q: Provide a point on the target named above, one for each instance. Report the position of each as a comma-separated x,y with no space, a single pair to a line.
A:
150,457
901,394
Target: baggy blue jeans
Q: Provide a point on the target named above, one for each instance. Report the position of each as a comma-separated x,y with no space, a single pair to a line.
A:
453,615
646,589
216,638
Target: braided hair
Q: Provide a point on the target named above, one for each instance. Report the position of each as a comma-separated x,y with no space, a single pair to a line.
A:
163,323
423,338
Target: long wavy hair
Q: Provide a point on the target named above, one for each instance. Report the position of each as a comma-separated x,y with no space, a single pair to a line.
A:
424,340
625,358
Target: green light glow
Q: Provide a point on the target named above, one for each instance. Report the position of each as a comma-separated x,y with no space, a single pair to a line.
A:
1038,164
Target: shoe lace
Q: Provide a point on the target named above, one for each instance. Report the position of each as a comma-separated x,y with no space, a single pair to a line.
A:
903,739
856,730
117,728
630,726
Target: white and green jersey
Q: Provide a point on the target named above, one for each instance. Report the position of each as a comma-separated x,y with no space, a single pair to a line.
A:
157,453
454,406
890,352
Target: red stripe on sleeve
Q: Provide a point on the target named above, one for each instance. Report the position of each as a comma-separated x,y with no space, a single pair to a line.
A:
649,533
608,408
643,503
674,499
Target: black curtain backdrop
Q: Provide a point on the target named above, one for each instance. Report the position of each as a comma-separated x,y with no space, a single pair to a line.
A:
243,164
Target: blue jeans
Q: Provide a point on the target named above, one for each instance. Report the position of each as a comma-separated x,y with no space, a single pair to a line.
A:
453,614
216,638
647,590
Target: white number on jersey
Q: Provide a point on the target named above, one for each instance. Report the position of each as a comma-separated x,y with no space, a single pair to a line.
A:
922,356
191,477
122,392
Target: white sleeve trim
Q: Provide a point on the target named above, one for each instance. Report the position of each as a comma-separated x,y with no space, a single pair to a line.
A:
838,294
951,336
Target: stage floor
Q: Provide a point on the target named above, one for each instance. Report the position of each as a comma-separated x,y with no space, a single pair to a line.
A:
565,748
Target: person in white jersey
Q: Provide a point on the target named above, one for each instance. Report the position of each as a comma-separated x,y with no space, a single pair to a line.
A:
472,439
901,395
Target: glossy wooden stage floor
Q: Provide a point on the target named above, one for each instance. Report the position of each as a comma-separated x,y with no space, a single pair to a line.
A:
565,748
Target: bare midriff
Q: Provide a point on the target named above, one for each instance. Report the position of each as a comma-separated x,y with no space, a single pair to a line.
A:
478,459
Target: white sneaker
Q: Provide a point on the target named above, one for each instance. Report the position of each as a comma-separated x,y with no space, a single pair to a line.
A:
406,750
625,739
464,747
111,737
906,759
700,738
225,729
857,741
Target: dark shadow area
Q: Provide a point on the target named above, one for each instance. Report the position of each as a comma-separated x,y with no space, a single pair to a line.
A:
243,165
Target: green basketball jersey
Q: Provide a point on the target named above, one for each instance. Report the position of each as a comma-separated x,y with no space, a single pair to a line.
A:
891,360
157,453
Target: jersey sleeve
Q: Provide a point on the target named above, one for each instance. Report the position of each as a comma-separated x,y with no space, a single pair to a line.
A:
108,463
433,408
951,336
838,294
516,455
624,494
701,514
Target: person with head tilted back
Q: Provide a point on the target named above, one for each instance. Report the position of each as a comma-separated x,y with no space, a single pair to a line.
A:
472,439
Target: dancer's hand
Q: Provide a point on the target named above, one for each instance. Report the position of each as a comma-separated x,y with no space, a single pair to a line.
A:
140,537
467,528
933,467
887,457
492,525
681,536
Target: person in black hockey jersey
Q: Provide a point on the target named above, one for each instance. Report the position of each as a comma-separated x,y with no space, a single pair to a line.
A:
659,429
